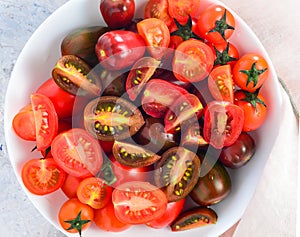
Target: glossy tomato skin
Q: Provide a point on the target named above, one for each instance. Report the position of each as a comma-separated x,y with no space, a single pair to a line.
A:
138,202
216,24
239,153
119,49
117,14
63,101
106,219
42,176
70,211
223,123
67,150
70,185
250,72
254,107
172,212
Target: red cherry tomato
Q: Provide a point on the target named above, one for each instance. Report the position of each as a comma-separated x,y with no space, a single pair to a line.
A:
172,212
223,123
216,24
42,176
225,53
158,9
77,152
70,186
117,13
182,9
138,202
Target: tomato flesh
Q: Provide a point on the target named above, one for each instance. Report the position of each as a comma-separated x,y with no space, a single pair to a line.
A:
182,9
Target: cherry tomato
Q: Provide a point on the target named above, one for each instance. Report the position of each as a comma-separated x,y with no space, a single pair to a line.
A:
220,83
77,152
225,53
193,60
106,219
75,216
106,146
158,9
250,72
139,74
24,124
46,120
42,176
65,104
94,192
138,202
182,9
159,95
119,49
216,24
254,107
70,186
171,213
117,14
223,123
156,34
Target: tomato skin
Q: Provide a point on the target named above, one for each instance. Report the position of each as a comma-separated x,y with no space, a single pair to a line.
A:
63,101
70,210
117,14
118,49
156,34
225,53
258,75
193,60
67,149
94,192
106,219
172,212
138,202
42,176
220,83
208,21
223,123
256,115
158,9
181,9
70,186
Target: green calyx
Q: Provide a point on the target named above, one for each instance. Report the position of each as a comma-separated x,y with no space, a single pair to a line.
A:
222,58
222,26
253,74
185,31
252,98
77,223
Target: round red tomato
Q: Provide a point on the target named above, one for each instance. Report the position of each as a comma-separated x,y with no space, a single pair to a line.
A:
250,72
156,34
182,9
225,53
106,219
42,176
223,123
138,202
216,24
64,102
70,185
193,60
172,212
254,107
158,9
220,83
77,152
74,216
117,13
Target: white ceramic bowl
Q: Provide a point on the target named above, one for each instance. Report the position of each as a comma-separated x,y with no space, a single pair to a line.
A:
34,66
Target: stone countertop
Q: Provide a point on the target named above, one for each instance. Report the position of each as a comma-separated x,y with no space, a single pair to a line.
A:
276,25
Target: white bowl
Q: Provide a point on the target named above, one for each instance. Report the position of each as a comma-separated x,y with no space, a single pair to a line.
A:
34,66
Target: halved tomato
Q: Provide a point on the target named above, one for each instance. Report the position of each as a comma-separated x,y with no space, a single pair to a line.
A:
42,176
182,9
158,9
94,192
139,74
220,83
77,152
156,34
193,60
138,202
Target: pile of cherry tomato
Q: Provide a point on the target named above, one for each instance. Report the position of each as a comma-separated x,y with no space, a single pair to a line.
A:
123,127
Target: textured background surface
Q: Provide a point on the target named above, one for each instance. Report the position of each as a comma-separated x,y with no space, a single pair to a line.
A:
276,25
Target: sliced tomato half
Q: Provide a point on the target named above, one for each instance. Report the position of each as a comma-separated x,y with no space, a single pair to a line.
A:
77,152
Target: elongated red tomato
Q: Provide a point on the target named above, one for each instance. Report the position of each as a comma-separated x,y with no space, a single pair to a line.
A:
42,176
77,152
46,120
138,202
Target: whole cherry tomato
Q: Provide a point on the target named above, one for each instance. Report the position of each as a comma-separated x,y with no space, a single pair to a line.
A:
117,13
